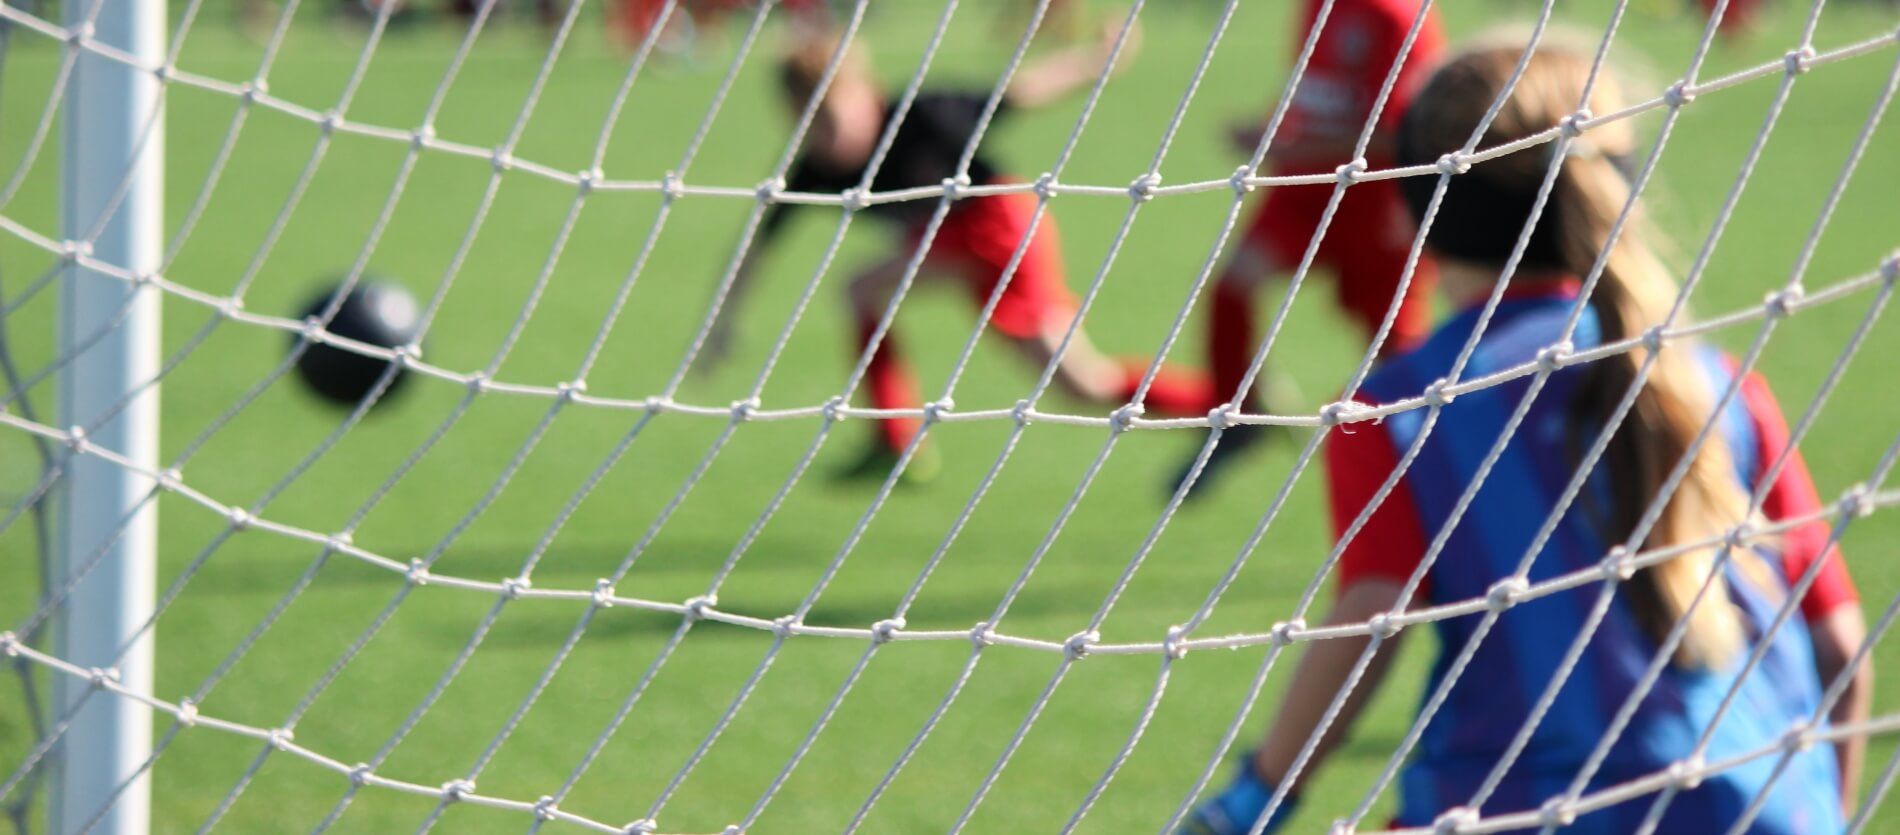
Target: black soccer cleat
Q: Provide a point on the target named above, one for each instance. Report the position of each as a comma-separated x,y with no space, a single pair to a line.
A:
1234,443
877,460
1275,388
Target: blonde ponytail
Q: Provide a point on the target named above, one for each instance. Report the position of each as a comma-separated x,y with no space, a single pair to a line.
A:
1478,221
1635,294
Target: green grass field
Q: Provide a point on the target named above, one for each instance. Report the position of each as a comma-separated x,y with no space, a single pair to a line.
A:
1096,706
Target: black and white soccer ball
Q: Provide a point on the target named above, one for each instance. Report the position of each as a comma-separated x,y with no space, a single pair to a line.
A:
374,312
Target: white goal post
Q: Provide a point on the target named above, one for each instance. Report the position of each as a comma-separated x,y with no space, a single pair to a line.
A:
113,193
107,602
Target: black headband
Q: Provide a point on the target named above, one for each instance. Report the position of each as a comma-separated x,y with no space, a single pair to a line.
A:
1480,219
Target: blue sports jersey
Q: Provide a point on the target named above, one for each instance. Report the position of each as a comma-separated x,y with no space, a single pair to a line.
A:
1517,660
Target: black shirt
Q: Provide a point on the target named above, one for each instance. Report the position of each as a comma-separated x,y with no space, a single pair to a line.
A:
924,152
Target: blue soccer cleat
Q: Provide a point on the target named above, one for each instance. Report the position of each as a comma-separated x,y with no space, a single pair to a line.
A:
1238,807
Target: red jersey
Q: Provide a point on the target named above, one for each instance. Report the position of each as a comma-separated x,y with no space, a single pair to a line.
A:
1357,47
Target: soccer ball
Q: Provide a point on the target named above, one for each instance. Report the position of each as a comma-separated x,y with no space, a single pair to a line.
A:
374,312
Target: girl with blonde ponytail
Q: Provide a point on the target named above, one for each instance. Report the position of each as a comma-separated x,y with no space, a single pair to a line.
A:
1589,227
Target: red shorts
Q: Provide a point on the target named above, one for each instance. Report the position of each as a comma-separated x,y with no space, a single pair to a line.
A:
1365,249
975,242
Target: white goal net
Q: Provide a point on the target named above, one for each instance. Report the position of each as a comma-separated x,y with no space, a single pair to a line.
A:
543,576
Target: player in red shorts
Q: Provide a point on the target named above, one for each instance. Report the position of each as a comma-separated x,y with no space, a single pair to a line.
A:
973,245
1367,241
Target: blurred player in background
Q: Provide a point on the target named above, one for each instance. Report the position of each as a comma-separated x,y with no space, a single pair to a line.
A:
1367,242
1738,18
972,247
636,18
1479,221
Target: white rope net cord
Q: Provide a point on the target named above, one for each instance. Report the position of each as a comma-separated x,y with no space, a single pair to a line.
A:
444,784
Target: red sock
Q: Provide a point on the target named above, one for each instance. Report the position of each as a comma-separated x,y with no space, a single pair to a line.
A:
889,385
1230,341
1175,392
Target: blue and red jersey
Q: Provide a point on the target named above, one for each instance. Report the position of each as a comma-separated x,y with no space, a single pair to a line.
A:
1515,663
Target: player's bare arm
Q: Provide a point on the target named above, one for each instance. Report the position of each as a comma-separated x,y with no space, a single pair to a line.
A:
1322,672
1836,636
1063,73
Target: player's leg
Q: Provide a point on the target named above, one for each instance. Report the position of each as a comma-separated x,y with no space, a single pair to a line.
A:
1272,244
1231,325
1086,373
1270,248
1231,343
888,383
1035,309
1083,372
